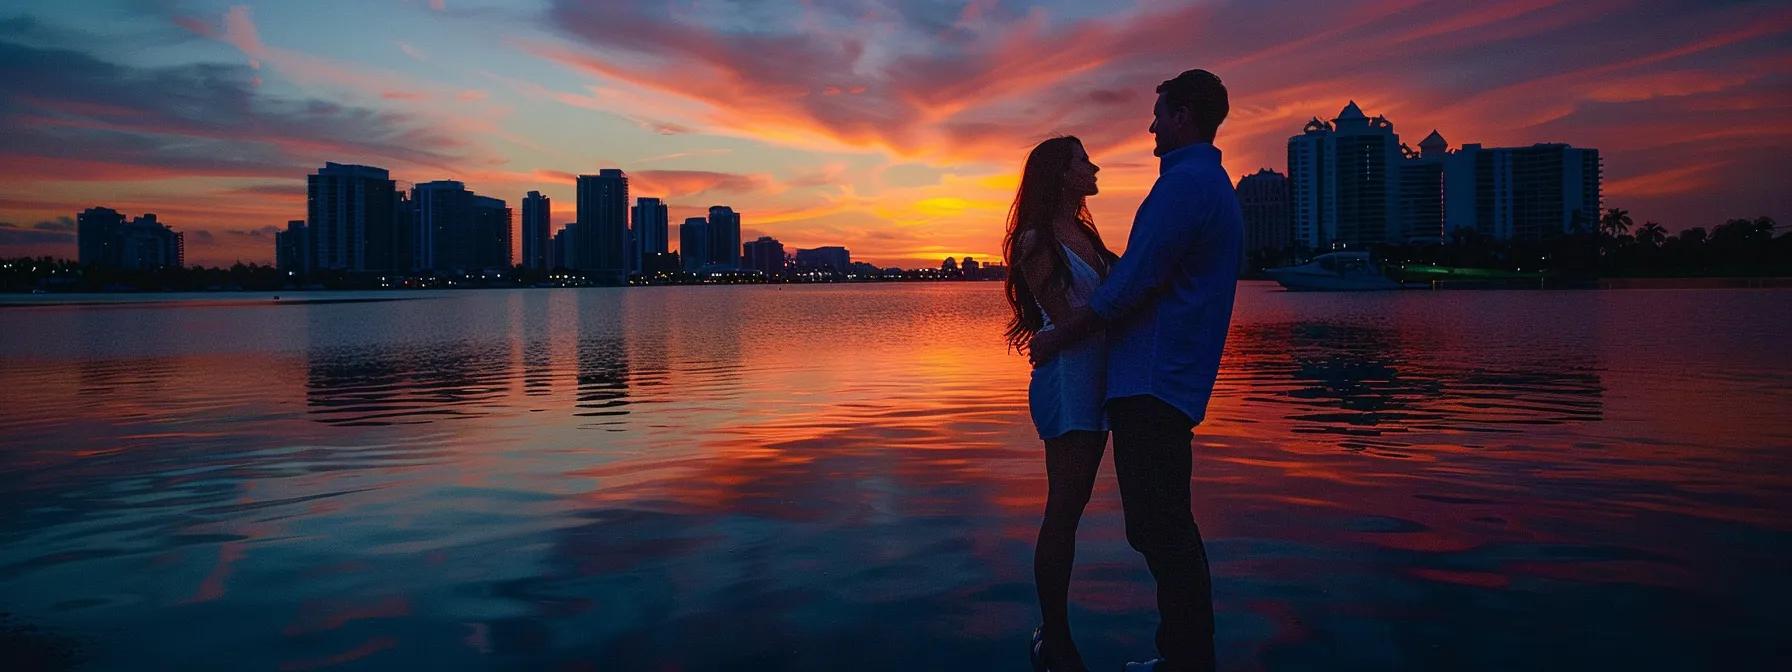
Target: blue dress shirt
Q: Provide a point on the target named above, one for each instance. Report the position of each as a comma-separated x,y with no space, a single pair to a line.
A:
1168,301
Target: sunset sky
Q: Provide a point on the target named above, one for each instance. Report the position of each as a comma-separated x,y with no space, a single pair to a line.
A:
894,128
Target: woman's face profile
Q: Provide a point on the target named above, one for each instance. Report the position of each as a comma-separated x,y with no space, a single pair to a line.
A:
1079,179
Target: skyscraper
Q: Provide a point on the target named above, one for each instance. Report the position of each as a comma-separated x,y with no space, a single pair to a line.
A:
603,225
146,244
96,236
1421,191
649,224
1522,193
535,231
1342,182
461,231
405,252
1348,190
105,239
724,236
289,248
444,225
490,245
693,243
765,255
1268,221
351,218
565,251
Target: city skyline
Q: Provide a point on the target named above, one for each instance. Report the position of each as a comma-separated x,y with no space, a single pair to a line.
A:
897,134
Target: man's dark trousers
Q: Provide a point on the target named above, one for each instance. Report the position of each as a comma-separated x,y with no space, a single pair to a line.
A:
1153,461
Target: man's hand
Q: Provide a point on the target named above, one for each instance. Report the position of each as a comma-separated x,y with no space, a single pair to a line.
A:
1045,345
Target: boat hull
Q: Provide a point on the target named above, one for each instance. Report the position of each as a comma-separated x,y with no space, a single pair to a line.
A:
1296,281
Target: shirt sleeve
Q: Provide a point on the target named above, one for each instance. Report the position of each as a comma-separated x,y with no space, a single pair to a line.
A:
1168,225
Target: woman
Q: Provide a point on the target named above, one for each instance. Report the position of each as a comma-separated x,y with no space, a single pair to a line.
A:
1058,260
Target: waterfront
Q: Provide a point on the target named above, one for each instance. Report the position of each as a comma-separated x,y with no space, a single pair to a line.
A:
824,477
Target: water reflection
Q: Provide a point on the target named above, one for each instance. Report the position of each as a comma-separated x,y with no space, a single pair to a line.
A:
1363,385
704,478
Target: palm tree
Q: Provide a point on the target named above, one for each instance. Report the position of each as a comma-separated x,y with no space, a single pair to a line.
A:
1652,234
1615,221
1763,228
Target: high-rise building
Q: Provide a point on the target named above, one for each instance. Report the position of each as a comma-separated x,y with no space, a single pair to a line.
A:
765,255
1268,220
950,265
406,251
603,225
1522,193
289,248
648,226
565,252
1348,190
1421,190
96,236
460,231
146,244
693,243
444,226
536,239
104,239
490,243
724,237
837,259
351,219
1341,176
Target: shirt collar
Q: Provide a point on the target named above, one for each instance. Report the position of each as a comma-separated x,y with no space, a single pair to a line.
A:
1200,152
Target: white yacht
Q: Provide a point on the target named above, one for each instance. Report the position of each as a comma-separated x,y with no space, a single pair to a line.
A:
1334,272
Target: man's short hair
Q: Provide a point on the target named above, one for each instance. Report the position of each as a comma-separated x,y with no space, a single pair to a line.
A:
1202,94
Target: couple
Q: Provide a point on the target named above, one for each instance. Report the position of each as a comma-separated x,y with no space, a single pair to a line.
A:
1128,344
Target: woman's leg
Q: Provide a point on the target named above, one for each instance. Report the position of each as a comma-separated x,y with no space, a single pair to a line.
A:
1071,461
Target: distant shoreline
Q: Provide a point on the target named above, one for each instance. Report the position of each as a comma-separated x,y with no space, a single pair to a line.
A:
322,296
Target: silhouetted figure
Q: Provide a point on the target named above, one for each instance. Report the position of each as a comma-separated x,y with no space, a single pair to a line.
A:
1165,309
1060,259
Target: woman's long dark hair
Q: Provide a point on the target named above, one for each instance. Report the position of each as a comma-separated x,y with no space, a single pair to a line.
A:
1041,199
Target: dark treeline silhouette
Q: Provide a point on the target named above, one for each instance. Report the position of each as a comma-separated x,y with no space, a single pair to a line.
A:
1615,246
1735,248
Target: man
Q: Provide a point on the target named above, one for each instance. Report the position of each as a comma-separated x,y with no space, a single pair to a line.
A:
1166,308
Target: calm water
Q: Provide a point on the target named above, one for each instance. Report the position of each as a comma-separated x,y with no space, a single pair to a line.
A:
844,477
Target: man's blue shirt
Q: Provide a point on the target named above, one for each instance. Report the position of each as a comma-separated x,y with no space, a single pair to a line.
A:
1168,302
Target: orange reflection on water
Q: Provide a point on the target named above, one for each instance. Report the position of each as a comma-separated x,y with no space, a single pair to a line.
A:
680,462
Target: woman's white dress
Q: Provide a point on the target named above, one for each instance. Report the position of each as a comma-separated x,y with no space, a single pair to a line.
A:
1069,390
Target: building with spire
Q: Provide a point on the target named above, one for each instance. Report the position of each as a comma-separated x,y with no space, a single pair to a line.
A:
1352,183
1341,177
1421,190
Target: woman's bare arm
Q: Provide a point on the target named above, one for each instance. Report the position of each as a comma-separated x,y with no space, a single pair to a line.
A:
1036,265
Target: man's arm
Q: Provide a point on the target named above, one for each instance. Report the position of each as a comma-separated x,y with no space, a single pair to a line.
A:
1077,324
1167,226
